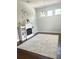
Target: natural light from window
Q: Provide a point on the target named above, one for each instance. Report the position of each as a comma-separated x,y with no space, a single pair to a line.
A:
50,13
57,11
42,14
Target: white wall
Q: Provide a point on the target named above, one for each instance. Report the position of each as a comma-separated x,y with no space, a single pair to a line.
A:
49,23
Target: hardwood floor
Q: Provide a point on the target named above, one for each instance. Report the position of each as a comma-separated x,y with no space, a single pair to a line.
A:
22,54
59,48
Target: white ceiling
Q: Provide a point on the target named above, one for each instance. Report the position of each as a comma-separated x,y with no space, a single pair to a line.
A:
39,3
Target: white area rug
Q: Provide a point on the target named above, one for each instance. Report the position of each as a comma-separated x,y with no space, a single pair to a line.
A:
44,44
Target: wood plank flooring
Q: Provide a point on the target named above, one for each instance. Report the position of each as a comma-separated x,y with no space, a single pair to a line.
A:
22,54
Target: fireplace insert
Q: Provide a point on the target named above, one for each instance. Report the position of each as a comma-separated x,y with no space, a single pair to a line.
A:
29,31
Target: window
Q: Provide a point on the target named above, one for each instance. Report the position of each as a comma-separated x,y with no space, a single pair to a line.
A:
42,13
57,11
50,13
46,13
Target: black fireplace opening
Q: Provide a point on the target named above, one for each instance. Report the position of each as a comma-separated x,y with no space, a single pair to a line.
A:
29,31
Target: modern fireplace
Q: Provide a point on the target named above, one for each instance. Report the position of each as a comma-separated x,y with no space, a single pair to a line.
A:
29,29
